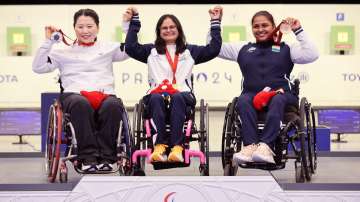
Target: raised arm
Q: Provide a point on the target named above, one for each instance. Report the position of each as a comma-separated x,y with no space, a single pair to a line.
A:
120,54
132,47
305,51
43,62
211,50
228,51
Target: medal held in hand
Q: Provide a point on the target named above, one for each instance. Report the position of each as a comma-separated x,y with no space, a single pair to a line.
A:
59,36
283,28
56,36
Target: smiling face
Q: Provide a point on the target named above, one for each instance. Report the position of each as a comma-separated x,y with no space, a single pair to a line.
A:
168,31
262,28
86,29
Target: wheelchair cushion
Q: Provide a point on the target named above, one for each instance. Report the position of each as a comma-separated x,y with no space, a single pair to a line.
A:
94,97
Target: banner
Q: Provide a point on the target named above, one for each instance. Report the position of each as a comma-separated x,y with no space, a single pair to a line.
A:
332,80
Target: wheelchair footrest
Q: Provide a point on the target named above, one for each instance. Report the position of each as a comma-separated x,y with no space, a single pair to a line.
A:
141,153
167,165
262,166
192,153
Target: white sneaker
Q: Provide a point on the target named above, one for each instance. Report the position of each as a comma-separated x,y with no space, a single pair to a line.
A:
245,155
263,153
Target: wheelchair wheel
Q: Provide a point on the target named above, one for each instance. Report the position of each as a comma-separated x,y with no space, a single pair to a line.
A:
125,162
204,136
138,134
53,141
314,156
229,143
299,175
310,131
230,170
306,138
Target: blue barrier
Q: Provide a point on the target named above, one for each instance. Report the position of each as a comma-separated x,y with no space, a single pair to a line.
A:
322,139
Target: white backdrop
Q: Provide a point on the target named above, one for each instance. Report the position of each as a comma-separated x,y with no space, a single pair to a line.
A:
330,81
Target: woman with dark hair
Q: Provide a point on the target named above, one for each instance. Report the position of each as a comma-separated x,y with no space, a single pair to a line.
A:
87,79
170,61
266,65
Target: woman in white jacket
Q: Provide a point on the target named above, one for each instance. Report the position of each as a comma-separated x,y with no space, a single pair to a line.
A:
86,75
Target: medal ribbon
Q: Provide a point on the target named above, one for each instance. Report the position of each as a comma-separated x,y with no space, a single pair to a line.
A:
172,63
63,38
65,42
277,39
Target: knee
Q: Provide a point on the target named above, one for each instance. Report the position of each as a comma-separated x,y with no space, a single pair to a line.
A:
82,104
156,98
243,103
177,98
278,101
156,104
113,106
273,116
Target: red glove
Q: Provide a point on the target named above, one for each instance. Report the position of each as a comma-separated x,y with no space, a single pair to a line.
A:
165,88
94,97
262,99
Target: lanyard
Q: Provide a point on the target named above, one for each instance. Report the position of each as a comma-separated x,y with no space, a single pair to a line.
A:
173,64
81,44
86,44
277,36
63,38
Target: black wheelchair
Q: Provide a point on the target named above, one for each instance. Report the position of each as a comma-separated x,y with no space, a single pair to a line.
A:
144,139
298,133
61,133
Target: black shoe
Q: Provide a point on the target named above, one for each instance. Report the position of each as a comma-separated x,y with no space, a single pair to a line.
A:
105,167
89,168
89,165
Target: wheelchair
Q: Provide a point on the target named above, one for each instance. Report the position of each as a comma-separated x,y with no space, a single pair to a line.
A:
61,135
143,135
298,133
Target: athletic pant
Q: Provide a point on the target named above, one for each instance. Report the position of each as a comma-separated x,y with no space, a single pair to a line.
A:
178,104
96,131
274,116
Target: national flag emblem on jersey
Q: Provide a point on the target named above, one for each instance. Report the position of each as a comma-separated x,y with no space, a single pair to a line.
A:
275,48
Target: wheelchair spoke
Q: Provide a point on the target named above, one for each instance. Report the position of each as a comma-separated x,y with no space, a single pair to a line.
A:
231,140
